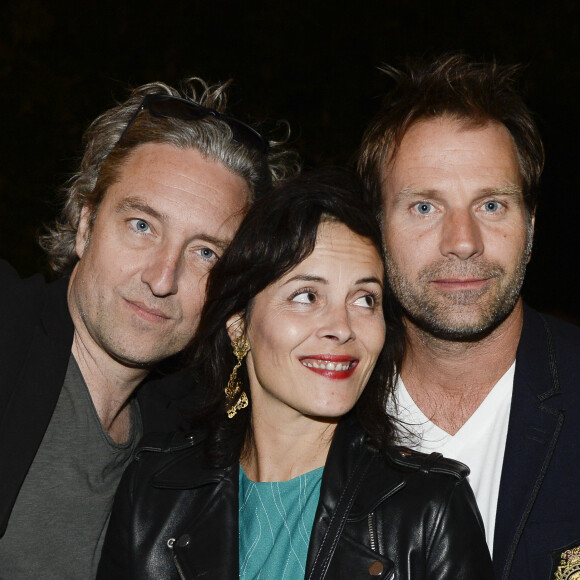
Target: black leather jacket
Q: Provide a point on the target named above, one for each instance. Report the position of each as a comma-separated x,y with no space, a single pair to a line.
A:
397,514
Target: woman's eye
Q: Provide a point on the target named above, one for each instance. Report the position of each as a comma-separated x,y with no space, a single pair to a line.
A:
305,298
140,225
367,301
491,206
424,208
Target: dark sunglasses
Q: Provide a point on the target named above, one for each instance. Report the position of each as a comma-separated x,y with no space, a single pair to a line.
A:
169,107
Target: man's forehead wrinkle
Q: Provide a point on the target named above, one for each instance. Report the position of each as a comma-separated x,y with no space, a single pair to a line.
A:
177,170
160,178
448,158
198,179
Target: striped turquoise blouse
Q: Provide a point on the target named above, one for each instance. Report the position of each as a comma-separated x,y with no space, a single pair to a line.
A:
275,523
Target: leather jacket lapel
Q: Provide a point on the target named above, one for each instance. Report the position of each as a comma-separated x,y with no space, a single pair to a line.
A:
348,462
534,426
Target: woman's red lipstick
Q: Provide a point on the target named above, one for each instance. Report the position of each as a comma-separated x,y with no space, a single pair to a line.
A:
331,366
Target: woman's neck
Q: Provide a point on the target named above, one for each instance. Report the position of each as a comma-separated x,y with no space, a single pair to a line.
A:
279,451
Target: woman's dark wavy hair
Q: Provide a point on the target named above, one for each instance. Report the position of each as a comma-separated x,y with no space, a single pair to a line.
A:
277,234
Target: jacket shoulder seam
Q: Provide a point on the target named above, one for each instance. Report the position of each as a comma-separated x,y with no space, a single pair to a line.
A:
166,443
427,463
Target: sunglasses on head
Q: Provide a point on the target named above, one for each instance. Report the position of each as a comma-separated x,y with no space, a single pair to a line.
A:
170,107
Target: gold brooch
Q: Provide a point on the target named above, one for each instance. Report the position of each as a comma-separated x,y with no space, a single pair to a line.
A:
569,568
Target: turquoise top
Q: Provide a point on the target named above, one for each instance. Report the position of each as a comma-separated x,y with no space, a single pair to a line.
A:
275,523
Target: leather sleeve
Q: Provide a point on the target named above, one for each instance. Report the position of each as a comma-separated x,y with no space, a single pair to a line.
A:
458,548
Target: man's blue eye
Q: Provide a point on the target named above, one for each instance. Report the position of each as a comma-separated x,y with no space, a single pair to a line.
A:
424,208
141,225
207,254
492,206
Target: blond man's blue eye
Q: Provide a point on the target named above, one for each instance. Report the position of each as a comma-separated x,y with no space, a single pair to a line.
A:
207,253
141,225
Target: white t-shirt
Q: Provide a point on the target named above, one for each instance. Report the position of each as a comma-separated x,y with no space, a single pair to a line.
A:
480,443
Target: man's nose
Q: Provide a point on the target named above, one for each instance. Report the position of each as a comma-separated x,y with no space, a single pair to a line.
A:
162,272
461,235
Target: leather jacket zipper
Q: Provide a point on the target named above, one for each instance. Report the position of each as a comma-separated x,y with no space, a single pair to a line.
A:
372,531
373,541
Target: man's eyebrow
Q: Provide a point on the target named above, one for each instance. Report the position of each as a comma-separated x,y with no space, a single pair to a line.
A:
411,191
508,190
136,204
220,243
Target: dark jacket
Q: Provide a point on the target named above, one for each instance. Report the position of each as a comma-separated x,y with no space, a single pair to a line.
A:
36,333
399,514
538,513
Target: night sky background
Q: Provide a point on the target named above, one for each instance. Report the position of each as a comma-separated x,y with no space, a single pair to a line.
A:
311,63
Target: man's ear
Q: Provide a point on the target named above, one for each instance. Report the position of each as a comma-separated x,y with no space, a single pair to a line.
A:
532,225
236,325
83,231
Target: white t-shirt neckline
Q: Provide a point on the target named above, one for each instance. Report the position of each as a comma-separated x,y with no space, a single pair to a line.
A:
480,443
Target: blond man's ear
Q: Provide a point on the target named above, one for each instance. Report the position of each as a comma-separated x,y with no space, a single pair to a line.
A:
83,231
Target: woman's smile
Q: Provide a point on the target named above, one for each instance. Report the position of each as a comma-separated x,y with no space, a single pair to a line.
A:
331,366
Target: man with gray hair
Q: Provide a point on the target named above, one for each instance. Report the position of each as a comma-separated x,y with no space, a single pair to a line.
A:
164,182
455,157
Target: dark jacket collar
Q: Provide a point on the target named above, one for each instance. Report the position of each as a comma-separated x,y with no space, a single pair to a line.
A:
349,453
189,469
56,319
536,366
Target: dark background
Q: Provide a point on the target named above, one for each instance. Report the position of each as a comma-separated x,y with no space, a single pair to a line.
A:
312,63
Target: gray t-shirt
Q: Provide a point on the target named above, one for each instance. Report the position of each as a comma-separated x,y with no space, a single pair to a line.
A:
58,523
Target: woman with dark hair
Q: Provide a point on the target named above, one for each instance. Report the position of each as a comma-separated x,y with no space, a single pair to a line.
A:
289,472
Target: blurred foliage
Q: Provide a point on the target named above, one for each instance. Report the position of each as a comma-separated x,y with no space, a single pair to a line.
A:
314,64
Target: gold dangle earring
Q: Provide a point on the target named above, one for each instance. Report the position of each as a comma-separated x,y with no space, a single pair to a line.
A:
241,347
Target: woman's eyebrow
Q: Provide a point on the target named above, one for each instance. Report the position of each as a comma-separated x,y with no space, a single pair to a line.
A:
306,278
312,278
370,280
